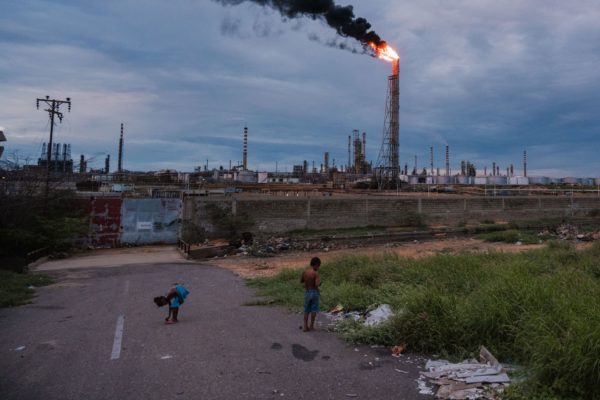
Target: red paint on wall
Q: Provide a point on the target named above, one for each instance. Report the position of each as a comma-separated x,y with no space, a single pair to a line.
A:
105,221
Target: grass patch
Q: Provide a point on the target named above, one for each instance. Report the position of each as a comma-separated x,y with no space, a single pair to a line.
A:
537,308
510,236
14,287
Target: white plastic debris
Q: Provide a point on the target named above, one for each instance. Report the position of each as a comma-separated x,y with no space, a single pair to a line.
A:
166,357
20,348
423,388
379,315
470,379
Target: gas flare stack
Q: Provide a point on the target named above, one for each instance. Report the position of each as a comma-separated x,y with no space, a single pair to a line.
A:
389,155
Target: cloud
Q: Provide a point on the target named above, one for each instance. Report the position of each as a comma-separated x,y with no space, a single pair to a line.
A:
488,78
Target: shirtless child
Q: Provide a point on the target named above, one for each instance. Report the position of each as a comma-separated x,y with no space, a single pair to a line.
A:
311,280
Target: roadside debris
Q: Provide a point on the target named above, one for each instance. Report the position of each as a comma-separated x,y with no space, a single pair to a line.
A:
485,378
20,348
570,232
370,318
379,315
337,309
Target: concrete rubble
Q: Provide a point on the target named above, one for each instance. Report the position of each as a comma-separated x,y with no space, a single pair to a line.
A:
485,378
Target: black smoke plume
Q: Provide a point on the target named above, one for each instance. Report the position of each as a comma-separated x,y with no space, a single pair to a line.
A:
340,18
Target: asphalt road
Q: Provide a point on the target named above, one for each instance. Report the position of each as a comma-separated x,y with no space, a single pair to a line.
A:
221,348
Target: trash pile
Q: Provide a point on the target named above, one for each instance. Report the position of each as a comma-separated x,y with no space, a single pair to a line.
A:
485,378
570,232
274,245
372,317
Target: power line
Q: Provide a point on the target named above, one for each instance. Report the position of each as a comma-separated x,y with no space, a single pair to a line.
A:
54,110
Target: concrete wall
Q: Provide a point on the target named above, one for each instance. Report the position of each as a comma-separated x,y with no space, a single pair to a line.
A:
272,215
115,221
105,221
147,221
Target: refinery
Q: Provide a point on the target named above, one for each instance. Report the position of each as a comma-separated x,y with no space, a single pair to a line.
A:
358,173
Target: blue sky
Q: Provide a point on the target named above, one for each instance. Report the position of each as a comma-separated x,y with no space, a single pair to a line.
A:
488,78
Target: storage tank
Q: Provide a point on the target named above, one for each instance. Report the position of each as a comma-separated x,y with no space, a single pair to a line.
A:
539,180
413,179
247,176
443,180
518,180
572,181
588,181
497,180
463,180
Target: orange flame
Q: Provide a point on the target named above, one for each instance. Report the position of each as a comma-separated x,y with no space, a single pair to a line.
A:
384,52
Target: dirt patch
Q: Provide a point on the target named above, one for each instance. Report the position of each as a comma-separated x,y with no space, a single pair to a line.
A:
250,267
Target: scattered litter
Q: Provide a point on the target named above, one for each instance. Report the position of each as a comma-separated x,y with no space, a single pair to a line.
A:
20,348
166,357
570,232
30,287
471,379
401,371
379,315
423,388
337,309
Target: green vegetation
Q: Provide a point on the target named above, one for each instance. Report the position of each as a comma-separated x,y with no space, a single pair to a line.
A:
537,308
29,222
15,288
510,236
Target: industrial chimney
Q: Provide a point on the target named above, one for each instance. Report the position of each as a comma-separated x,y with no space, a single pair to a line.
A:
364,149
431,159
525,163
326,162
245,153
107,164
82,166
447,160
120,160
349,168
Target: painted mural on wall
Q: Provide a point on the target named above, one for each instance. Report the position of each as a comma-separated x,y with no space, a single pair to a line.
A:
149,221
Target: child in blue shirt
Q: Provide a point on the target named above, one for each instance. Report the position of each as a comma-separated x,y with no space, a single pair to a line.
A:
175,298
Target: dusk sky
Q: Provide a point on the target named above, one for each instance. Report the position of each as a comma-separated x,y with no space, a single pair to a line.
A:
488,78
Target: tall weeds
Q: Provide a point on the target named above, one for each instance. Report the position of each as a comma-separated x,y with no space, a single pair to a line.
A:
540,309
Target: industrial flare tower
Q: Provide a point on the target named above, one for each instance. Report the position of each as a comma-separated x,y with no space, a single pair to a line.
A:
389,154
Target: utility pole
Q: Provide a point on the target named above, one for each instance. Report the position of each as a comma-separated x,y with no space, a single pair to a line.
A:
52,111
